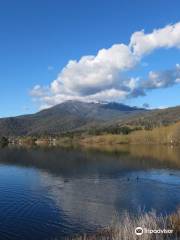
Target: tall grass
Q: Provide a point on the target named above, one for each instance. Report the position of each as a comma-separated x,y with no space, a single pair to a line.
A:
169,135
124,229
161,135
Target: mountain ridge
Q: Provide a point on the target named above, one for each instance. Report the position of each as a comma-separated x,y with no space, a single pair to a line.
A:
71,116
67,116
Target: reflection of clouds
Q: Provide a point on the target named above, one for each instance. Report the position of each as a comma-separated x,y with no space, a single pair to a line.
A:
87,188
92,200
85,201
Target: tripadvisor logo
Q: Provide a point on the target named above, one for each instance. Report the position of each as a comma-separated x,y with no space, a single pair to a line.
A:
139,231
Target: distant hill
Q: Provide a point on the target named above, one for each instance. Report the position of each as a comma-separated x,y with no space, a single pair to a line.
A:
67,116
75,116
155,118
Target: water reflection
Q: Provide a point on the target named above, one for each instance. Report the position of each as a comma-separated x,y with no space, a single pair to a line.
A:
62,191
72,160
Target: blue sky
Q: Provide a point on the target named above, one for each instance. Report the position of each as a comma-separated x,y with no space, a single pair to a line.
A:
39,38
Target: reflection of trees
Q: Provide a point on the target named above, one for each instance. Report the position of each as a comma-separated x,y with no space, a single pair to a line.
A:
3,141
82,163
168,154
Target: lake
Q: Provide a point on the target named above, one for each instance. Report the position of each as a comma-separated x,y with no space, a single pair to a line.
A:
49,193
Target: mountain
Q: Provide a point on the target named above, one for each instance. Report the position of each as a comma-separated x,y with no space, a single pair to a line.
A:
67,116
80,116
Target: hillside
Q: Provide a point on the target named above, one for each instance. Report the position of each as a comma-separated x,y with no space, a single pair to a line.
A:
65,117
155,118
74,116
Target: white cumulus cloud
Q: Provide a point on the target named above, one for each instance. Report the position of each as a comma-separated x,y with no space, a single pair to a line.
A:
92,74
166,37
102,77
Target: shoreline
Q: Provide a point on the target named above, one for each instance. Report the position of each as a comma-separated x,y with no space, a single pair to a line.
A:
165,135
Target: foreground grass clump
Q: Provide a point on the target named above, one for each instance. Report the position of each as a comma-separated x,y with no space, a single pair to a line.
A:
124,229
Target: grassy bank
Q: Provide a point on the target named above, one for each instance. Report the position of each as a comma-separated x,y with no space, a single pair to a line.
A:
124,229
169,135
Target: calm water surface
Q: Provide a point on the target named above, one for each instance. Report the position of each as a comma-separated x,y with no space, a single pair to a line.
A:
50,193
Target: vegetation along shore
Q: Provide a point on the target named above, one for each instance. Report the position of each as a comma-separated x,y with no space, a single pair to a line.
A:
155,227
166,135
